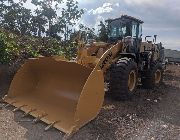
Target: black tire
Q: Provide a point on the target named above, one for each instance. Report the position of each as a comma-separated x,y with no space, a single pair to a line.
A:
119,75
148,78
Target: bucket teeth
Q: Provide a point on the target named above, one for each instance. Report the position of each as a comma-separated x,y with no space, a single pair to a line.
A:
51,125
18,108
8,97
26,114
7,105
36,120
10,104
67,136
4,97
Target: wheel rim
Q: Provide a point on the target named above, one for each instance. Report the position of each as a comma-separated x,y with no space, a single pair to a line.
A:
132,80
157,76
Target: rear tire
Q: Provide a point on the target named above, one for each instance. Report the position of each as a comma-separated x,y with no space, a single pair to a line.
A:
152,77
123,78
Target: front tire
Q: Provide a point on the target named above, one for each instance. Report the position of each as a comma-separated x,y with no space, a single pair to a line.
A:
123,78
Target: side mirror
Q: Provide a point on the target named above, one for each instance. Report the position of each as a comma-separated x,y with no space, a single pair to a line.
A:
155,38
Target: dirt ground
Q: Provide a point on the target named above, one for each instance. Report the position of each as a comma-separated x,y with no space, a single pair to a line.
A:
150,114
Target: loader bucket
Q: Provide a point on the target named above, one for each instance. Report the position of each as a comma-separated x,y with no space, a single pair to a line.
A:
64,94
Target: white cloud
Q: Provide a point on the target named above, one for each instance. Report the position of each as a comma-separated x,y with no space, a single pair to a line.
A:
142,2
117,4
106,8
106,5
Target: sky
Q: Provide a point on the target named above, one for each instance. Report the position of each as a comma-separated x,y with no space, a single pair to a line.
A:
161,17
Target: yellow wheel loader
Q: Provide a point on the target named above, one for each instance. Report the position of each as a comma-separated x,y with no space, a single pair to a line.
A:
68,94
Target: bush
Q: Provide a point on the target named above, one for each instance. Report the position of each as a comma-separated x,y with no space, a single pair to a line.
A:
15,49
9,50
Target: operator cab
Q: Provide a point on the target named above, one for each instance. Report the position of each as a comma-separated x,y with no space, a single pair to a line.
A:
128,29
122,27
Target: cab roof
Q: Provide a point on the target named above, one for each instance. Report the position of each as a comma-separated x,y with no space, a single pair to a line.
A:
126,17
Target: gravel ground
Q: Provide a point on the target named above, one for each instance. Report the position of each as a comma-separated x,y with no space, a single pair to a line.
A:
150,114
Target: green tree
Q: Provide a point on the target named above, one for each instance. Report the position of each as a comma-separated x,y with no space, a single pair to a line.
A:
57,25
38,24
88,33
45,16
103,34
15,17
69,16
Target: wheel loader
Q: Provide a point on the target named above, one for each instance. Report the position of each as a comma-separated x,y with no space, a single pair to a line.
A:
68,94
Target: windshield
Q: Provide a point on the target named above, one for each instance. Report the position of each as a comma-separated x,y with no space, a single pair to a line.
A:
121,28
117,31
